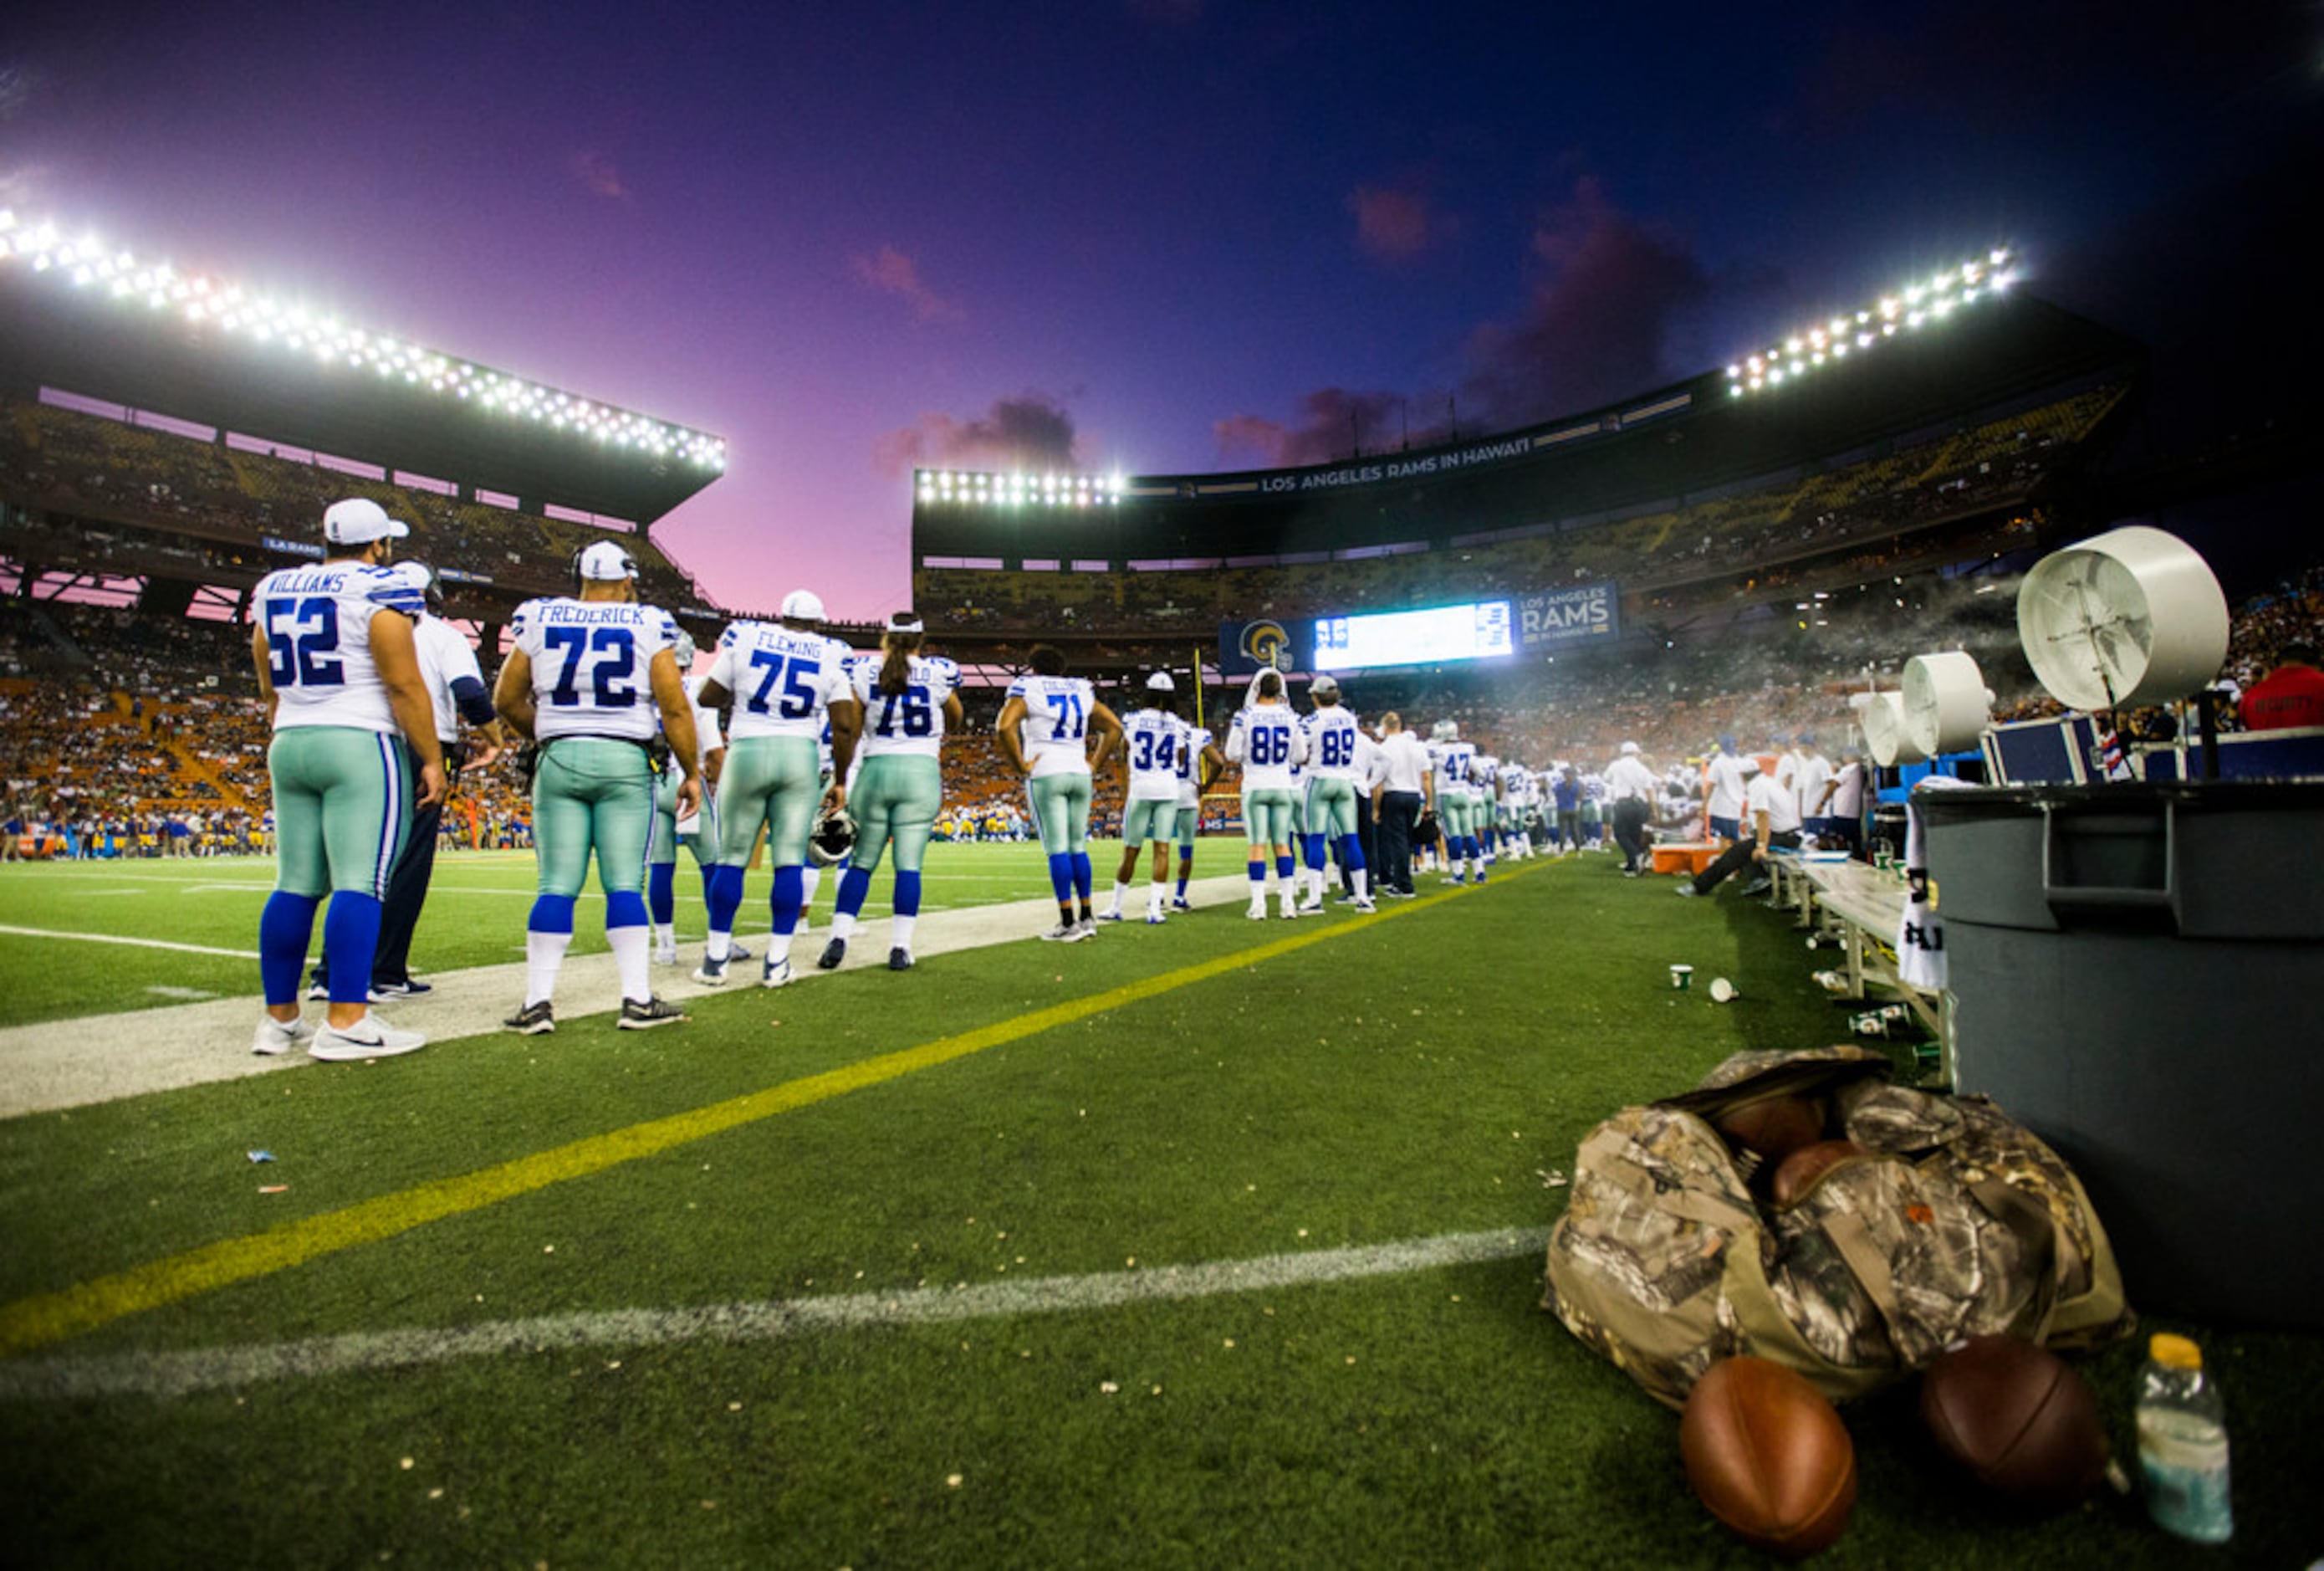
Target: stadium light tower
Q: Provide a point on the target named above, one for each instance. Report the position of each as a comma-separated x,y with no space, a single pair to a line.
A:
1921,303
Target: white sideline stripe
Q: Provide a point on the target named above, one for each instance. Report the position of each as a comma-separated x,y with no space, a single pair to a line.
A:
180,1373
55,1065
138,943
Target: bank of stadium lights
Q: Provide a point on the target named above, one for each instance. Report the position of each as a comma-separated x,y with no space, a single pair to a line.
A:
972,487
1906,310
89,265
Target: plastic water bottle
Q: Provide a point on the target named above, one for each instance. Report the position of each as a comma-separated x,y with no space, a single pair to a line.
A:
2182,1443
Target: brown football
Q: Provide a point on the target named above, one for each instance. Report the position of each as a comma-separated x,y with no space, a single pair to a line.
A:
2018,1418
1773,1128
1769,1457
1804,1166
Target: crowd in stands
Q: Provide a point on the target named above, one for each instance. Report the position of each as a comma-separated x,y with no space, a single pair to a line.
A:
99,470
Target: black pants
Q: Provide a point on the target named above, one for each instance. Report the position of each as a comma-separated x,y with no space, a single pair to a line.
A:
1399,812
1735,858
1630,831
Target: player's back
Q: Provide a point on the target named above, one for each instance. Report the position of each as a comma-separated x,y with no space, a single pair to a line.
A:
1267,740
910,721
1057,721
591,660
318,626
1332,742
1150,740
783,678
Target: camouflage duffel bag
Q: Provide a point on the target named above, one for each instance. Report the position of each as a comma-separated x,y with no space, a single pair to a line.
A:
1950,1221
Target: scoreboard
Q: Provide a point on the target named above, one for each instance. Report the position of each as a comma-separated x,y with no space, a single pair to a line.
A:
1477,631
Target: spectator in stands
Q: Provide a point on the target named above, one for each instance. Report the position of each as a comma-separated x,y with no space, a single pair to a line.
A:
2292,694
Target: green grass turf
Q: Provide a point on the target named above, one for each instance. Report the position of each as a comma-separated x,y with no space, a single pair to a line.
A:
475,917
1409,1078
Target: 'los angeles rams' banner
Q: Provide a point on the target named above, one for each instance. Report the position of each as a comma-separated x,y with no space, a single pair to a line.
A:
1586,612
1246,648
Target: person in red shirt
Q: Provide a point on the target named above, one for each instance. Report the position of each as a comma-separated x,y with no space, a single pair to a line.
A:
2292,694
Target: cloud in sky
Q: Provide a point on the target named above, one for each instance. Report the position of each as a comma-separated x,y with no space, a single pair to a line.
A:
597,174
1392,226
1332,424
1032,431
1596,321
890,271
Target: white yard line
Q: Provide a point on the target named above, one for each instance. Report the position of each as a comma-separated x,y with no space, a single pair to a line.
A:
136,943
180,1373
75,1063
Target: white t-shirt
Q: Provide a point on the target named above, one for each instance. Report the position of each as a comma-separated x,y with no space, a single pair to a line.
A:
318,626
1150,740
784,679
590,661
1727,773
1770,795
444,658
911,721
1848,801
1334,742
1192,740
1266,739
1626,778
1816,773
1056,728
1404,762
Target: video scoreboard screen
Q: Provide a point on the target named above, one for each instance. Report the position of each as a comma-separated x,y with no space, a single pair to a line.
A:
1402,638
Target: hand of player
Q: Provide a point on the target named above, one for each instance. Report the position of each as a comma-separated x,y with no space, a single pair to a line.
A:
835,798
689,797
486,754
1758,853
432,790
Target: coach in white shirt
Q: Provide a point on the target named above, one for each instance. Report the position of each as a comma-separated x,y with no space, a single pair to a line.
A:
1632,786
1403,786
1775,814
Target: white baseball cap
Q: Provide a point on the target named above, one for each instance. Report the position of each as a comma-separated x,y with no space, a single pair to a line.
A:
1160,682
905,622
802,606
607,563
359,521
1629,750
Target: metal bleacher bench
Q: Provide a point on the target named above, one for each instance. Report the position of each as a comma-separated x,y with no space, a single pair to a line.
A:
1862,907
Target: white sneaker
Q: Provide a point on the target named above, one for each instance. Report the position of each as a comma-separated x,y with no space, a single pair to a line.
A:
276,1036
1155,918
777,973
1110,916
369,1038
1257,913
1311,904
1364,904
666,956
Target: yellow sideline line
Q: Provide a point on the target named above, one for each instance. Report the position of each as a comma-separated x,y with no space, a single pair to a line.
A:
50,1317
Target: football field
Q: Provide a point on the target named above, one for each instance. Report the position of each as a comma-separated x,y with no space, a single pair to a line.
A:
1211,1243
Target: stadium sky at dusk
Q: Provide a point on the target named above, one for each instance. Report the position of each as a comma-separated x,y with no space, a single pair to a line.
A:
1166,235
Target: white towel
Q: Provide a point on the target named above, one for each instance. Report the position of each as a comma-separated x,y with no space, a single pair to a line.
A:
1921,932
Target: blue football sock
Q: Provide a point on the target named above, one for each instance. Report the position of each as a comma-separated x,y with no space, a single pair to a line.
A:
1314,846
854,886
551,913
285,927
1283,867
1082,876
725,896
784,905
908,893
661,892
351,938
1061,876
624,908
1352,852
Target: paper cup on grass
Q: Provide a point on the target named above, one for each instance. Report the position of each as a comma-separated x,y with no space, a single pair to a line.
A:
1721,990
1682,977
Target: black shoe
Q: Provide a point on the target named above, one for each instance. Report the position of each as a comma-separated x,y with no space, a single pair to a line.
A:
833,954
407,988
644,1017
899,959
534,1020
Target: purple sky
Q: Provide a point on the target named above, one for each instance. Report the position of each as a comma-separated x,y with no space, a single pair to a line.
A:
1151,236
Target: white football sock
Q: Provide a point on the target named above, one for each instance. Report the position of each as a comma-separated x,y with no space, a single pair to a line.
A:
630,959
543,954
900,928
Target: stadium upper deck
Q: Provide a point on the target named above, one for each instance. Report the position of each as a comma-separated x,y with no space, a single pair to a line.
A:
1666,449
97,321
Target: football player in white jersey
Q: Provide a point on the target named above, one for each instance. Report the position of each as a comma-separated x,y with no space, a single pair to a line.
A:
1455,808
1199,763
593,679
1151,735
784,679
1056,715
1485,796
1266,739
910,701
1334,745
339,673
699,833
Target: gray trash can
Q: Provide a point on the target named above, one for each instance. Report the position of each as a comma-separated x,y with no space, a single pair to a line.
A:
2137,975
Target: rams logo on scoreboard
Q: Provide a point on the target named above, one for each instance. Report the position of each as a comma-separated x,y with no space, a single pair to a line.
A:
1265,643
